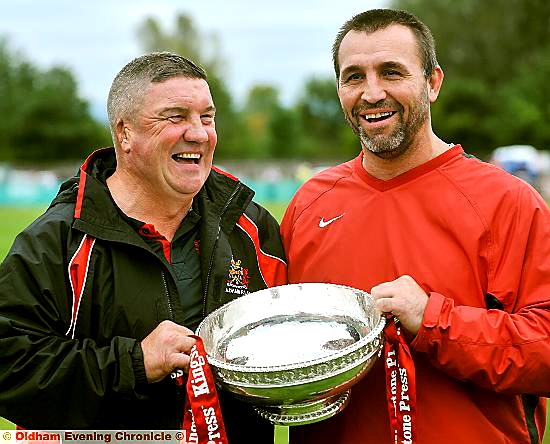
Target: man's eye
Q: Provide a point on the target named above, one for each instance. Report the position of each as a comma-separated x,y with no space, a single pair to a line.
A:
352,77
392,73
175,118
207,119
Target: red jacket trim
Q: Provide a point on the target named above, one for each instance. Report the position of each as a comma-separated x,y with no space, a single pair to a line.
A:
80,196
272,268
78,271
82,184
225,173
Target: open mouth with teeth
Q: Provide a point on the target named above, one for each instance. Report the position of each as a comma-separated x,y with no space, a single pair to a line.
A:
378,117
187,157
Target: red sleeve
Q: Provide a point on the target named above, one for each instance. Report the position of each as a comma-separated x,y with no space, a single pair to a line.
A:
286,226
504,350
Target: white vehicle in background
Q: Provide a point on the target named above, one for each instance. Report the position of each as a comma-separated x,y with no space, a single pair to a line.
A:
524,161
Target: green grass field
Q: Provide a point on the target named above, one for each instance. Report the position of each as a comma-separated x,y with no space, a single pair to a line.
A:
15,219
6,425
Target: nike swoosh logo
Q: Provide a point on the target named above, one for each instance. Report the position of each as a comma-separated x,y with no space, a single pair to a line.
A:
323,223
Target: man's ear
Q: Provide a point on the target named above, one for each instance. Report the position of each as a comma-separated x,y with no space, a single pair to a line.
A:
434,83
123,134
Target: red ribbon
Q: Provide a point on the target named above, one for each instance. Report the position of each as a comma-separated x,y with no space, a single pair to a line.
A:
400,384
202,417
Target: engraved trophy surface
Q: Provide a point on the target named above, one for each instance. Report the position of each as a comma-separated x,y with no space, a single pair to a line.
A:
294,351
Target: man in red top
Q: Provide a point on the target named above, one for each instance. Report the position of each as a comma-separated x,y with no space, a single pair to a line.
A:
456,249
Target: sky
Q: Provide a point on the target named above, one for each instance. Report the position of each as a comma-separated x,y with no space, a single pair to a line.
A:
281,43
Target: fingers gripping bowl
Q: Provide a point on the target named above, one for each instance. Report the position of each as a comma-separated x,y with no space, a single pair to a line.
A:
294,351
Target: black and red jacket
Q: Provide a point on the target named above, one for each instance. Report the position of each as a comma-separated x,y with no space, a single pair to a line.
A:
80,288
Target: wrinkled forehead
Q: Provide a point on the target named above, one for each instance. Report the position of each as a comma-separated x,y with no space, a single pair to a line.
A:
395,43
179,91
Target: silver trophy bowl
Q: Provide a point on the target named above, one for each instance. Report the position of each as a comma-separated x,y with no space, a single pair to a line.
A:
294,351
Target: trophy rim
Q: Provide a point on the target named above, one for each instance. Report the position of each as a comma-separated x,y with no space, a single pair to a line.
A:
369,338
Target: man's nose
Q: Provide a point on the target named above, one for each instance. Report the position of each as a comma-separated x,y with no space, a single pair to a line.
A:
196,133
373,91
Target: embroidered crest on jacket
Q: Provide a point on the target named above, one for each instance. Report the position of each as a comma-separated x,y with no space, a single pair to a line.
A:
238,278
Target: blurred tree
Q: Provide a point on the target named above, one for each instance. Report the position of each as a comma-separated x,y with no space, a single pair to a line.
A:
43,119
257,112
461,114
525,104
186,39
54,126
327,135
286,134
271,129
494,55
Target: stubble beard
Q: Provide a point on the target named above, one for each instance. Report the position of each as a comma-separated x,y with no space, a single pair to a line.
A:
398,142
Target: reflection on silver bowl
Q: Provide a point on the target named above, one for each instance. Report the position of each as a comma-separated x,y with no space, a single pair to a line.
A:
294,351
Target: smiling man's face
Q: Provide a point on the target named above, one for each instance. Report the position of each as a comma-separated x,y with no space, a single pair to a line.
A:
383,90
170,143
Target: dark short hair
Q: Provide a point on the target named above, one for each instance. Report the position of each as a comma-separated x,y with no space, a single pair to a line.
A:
377,19
130,83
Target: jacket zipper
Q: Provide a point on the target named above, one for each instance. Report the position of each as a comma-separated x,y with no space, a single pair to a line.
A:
180,389
207,283
170,309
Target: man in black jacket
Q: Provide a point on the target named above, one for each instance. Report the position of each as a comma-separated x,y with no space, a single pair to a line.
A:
99,295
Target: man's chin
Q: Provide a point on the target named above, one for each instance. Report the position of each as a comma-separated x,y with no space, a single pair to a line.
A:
386,152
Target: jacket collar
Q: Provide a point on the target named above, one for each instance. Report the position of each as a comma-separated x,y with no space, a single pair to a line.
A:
222,197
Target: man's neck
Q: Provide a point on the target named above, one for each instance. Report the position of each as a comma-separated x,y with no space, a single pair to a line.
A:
136,200
419,153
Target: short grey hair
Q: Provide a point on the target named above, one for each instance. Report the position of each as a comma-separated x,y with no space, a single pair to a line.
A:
377,19
131,82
